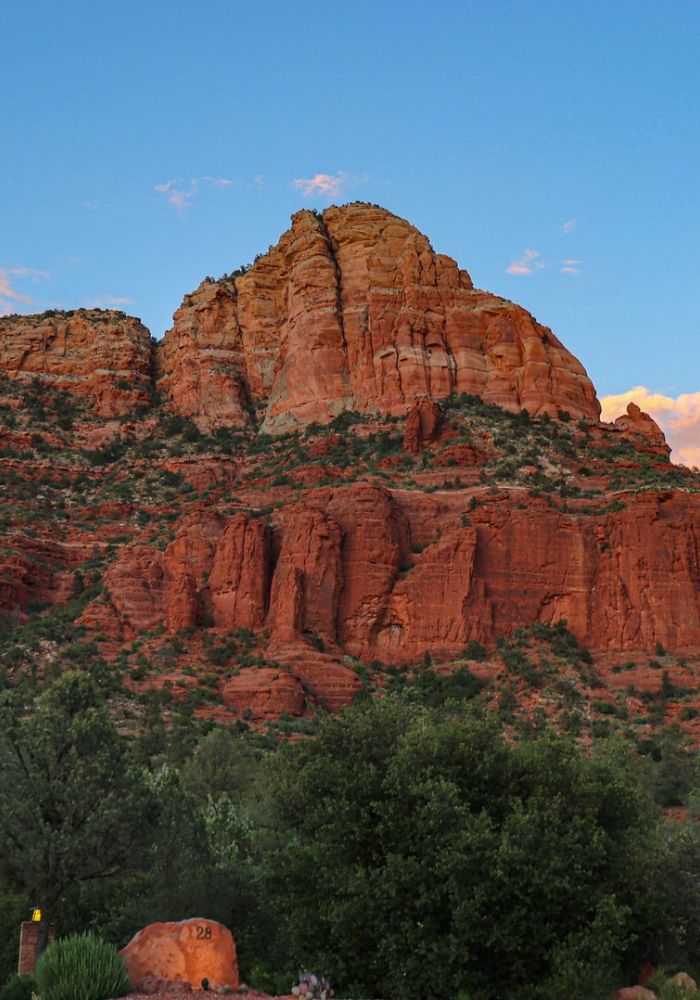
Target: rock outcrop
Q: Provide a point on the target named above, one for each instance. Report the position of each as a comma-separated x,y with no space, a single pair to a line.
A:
422,425
352,309
101,355
264,693
644,430
374,572
187,952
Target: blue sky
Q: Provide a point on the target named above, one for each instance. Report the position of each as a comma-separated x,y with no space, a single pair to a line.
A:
551,146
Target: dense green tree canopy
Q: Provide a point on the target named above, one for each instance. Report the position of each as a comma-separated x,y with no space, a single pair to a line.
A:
430,858
71,811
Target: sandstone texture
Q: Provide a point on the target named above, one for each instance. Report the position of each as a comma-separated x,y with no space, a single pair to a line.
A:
343,568
353,310
101,355
643,429
259,575
422,424
187,952
265,693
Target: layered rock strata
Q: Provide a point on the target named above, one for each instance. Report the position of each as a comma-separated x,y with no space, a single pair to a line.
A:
643,430
390,574
100,355
352,309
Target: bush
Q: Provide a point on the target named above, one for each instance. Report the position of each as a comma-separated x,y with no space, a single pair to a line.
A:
81,966
445,858
18,988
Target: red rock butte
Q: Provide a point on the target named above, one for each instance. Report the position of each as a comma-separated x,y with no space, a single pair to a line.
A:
325,547
353,310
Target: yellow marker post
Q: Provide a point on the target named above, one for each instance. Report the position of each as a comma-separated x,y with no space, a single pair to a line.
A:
36,915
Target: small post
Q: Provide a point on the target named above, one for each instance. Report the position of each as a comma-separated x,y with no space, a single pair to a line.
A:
28,937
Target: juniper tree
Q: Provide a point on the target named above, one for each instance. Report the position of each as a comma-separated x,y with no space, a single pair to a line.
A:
72,812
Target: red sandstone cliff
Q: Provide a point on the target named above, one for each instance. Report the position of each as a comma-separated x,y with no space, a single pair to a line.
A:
319,548
103,356
352,309
347,573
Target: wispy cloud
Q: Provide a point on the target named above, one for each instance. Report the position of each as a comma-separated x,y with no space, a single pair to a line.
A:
528,262
328,185
107,301
570,266
179,192
569,226
9,292
678,417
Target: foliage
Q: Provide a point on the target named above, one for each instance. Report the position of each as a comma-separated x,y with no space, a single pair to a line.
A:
81,966
13,909
71,811
222,764
18,988
429,856
436,690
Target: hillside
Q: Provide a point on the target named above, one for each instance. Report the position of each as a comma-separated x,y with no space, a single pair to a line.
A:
343,469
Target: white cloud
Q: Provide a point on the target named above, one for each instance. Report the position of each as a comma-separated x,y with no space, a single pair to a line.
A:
569,226
678,417
108,301
221,182
570,266
527,263
328,186
179,192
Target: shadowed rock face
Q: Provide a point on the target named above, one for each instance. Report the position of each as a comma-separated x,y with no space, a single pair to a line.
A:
347,574
352,309
102,356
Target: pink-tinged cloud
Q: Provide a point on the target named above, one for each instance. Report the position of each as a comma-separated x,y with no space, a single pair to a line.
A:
569,226
570,266
677,416
7,289
327,186
527,263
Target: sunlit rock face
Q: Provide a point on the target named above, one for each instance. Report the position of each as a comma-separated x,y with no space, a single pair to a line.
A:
353,309
188,952
100,355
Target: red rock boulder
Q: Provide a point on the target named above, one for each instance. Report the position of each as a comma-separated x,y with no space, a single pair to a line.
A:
634,993
184,952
